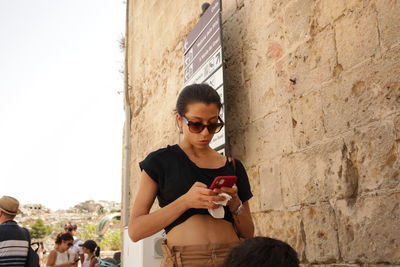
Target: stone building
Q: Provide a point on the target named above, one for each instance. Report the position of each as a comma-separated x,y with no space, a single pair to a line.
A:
312,109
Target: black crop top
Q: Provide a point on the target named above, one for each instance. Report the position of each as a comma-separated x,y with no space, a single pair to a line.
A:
175,174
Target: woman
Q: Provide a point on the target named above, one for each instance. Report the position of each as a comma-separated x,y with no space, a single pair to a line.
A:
180,176
92,251
59,256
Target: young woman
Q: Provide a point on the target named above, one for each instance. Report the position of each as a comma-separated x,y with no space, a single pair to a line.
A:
92,251
180,177
59,256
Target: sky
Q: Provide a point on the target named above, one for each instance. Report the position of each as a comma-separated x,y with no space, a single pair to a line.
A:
61,100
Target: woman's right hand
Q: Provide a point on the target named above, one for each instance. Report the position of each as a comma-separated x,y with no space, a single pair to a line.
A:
200,197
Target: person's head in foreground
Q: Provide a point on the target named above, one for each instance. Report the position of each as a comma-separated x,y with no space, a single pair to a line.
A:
262,252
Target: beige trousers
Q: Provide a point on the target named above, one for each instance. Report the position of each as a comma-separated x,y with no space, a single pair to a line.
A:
210,255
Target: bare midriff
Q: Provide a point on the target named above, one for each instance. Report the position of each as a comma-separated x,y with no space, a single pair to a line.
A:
200,230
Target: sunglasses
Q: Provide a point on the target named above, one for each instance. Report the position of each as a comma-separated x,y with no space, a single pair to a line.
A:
198,127
70,244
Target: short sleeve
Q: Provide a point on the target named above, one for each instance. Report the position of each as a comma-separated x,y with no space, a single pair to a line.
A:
243,184
152,165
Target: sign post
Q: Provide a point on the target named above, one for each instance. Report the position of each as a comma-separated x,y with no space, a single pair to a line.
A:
203,59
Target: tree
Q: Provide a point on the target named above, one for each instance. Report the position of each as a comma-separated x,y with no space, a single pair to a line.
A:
39,229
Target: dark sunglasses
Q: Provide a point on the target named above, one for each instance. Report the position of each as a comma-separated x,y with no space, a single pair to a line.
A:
70,244
198,127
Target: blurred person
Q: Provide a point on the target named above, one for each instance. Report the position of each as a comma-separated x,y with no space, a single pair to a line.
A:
15,241
59,256
262,252
75,252
92,250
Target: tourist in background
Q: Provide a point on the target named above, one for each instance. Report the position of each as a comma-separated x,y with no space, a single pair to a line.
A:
262,252
180,176
75,252
14,240
92,251
59,256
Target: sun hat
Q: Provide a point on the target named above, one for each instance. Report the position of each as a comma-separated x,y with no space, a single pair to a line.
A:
9,205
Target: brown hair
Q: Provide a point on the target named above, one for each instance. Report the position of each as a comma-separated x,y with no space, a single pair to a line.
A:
197,93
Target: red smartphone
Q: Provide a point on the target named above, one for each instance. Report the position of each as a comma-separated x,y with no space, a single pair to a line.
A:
223,181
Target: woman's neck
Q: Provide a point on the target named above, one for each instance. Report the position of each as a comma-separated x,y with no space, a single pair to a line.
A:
196,151
57,248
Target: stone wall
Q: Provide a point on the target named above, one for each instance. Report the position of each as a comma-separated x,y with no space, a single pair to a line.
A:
313,97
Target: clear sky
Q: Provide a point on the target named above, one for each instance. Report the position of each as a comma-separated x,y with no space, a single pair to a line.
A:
61,100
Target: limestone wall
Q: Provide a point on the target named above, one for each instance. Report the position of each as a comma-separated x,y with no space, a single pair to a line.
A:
313,97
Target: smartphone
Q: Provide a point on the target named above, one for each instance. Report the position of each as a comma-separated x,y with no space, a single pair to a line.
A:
223,181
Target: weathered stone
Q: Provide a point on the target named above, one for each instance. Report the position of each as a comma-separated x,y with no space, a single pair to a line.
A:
364,41
298,18
388,22
365,94
306,68
269,136
368,229
270,184
228,9
329,11
321,173
320,232
373,157
307,119
262,94
282,225
272,46
261,13
254,179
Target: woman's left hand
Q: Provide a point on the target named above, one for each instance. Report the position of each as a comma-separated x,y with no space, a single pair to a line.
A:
234,203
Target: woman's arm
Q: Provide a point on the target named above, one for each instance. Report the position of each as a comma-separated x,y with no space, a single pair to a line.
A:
142,224
243,221
93,262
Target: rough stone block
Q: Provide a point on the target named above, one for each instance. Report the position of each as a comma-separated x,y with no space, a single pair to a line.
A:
368,229
271,46
232,35
270,184
261,13
362,27
307,119
282,225
322,173
228,9
328,11
373,158
269,136
254,178
320,231
298,18
306,68
262,93
367,93
389,22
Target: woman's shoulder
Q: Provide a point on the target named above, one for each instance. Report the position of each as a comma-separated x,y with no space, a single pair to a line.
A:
163,152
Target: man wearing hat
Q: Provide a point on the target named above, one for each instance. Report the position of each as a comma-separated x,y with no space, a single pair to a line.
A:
14,240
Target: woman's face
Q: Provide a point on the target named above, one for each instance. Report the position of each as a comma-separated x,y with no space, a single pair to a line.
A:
66,244
203,113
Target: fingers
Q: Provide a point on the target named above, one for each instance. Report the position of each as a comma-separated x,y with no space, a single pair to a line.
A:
199,184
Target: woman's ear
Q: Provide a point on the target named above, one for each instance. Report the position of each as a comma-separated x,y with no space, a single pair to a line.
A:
178,120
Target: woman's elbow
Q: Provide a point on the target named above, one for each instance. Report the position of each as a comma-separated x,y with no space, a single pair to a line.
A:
133,232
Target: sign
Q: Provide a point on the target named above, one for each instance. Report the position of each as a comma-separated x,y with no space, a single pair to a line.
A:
203,59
